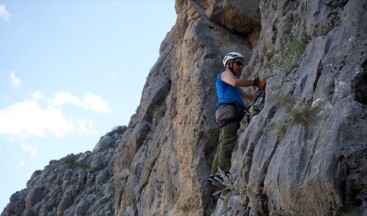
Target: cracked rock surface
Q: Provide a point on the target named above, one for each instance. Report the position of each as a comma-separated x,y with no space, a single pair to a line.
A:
303,154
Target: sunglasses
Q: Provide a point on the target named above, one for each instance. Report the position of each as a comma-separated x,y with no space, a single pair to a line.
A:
239,63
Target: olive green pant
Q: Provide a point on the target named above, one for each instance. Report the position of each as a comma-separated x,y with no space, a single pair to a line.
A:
227,142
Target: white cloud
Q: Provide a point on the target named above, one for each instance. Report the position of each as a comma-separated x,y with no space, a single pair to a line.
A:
15,81
4,13
28,118
89,101
42,116
62,98
95,103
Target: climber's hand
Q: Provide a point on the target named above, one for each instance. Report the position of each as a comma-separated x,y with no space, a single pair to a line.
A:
259,83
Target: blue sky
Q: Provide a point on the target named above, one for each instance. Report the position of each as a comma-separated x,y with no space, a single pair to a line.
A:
70,71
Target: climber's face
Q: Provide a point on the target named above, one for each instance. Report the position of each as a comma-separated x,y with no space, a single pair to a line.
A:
237,65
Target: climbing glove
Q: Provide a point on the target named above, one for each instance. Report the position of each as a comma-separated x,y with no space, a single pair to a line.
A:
259,83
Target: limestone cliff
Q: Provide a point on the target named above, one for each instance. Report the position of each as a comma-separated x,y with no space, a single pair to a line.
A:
303,154
77,185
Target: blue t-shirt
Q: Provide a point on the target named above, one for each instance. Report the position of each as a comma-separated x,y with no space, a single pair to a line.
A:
228,94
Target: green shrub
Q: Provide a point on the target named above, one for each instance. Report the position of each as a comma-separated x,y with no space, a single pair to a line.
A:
70,158
304,114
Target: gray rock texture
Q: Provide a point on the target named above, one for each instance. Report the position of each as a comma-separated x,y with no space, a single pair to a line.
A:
305,153
75,185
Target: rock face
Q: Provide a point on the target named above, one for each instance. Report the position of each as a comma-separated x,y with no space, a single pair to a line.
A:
307,156
74,185
303,154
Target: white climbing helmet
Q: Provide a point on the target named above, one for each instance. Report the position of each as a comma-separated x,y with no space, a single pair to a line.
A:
231,55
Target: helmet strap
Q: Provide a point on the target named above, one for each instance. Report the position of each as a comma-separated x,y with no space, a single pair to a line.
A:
230,67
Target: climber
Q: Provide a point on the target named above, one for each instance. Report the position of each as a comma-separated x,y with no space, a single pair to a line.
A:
229,112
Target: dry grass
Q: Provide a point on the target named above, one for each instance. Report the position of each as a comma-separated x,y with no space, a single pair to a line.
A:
304,114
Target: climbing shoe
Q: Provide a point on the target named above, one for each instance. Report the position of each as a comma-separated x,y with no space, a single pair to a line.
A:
216,181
